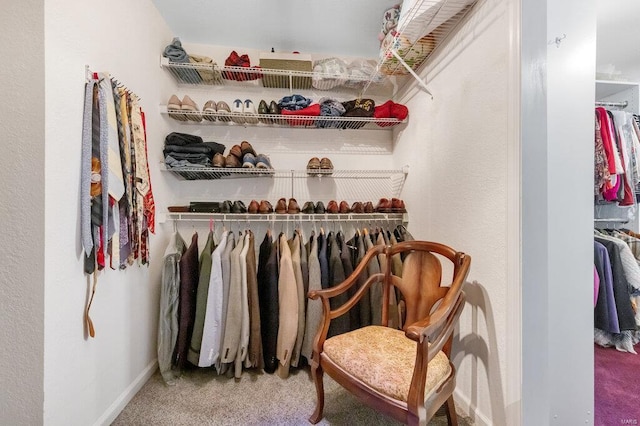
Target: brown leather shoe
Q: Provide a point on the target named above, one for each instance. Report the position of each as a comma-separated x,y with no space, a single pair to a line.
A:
357,207
246,148
293,207
308,208
265,207
254,207
368,207
232,161
218,160
313,164
344,207
384,206
332,207
397,206
320,208
326,164
281,206
236,151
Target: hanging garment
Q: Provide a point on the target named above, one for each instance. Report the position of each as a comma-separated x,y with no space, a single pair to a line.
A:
202,294
304,265
233,324
601,173
186,308
269,307
288,313
605,313
169,300
314,307
254,355
365,301
244,303
210,348
294,246
322,258
375,290
347,266
621,285
623,128
340,324
225,265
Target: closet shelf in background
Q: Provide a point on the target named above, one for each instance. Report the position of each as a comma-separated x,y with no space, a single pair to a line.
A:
423,26
198,74
279,120
211,173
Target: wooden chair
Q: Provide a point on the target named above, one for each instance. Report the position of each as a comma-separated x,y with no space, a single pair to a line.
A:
406,374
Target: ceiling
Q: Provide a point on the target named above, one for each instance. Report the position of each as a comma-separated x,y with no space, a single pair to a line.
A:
618,39
338,27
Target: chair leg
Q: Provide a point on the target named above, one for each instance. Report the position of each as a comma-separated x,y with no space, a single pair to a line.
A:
452,417
317,374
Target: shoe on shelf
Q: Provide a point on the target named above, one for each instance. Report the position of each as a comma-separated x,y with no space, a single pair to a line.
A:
384,206
219,160
246,147
332,207
236,151
326,165
209,110
308,208
254,207
238,207
232,162
281,206
226,206
357,207
174,106
188,105
397,206
263,162
237,111
274,109
249,111
313,164
223,110
368,207
293,207
265,207
320,208
249,161
344,207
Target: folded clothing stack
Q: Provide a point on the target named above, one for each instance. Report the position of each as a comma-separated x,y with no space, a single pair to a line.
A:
298,105
235,60
182,150
176,53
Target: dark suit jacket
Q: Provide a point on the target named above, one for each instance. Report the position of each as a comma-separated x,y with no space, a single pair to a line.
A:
269,308
346,255
189,275
336,276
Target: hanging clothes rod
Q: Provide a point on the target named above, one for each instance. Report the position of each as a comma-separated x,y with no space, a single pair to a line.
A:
615,219
620,105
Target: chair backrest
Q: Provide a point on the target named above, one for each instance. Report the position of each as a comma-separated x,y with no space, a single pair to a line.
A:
421,282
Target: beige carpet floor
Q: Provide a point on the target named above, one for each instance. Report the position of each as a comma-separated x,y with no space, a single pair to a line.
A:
201,397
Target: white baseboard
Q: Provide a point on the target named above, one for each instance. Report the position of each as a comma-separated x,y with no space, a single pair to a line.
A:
463,406
118,405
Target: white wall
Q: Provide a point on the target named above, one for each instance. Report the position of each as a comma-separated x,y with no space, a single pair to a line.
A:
86,380
22,212
459,152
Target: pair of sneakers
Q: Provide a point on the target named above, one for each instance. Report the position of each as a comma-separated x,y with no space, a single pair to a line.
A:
183,110
242,112
213,111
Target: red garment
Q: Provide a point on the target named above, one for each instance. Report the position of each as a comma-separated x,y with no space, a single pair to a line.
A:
605,132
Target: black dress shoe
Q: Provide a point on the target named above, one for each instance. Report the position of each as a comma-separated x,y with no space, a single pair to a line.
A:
263,108
320,208
226,207
274,108
238,207
308,208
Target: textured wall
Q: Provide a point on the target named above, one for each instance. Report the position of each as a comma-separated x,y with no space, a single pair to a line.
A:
22,212
88,380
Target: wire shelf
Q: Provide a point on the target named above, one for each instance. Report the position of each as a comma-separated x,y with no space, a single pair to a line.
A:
285,217
278,120
215,75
